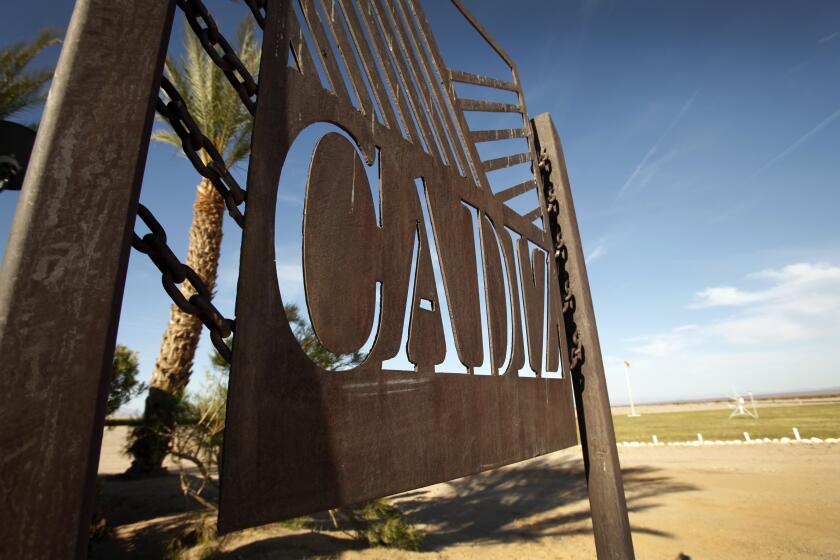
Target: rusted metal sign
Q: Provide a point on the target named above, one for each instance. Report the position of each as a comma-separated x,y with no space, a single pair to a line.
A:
300,439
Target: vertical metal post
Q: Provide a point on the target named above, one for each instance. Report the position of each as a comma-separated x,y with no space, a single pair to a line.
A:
63,272
603,473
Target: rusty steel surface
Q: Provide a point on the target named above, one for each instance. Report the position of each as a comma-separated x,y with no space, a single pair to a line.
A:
604,482
300,439
63,272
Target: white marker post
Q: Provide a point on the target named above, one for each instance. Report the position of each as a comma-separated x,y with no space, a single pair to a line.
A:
629,390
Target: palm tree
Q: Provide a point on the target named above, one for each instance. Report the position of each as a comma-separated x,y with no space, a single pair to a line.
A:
21,89
221,116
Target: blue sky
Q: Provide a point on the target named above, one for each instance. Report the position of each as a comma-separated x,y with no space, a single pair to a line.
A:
702,144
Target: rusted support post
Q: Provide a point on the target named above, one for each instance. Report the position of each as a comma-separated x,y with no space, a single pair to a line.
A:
63,272
603,474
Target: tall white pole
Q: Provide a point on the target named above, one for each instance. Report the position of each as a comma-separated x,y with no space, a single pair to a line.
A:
629,390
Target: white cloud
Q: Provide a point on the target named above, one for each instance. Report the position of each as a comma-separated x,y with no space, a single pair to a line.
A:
804,284
795,145
648,167
290,279
830,37
802,303
596,253
723,296
783,334
661,344
294,199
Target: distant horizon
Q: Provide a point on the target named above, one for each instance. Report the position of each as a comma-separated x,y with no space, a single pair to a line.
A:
829,392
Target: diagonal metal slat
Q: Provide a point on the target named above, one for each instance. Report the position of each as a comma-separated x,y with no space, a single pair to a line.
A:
502,134
412,76
368,59
533,214
322,45
300,49
487,106
516,190
475,79
345,50
389,75
436,102
460,122
506,161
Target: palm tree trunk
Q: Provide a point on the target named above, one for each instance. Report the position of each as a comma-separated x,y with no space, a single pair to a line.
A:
150,440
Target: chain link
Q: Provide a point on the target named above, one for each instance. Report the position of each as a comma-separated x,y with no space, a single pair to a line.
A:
561,256
258,8
174,272
192,142
220,51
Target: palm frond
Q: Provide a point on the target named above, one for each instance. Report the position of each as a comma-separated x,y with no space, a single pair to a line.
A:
211,100
249,47
199,72
20,89
176,76
240,148
166,136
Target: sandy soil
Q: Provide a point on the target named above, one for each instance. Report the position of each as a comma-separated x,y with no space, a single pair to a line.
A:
733,502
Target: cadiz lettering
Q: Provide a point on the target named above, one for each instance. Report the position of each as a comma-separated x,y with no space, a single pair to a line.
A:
347,256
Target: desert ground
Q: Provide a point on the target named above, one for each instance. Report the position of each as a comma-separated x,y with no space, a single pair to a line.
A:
767,501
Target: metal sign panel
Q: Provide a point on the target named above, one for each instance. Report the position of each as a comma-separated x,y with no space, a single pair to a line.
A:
301,439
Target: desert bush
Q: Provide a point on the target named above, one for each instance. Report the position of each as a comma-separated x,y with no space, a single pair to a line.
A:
197,541
196,440
380,523
196,444
124,385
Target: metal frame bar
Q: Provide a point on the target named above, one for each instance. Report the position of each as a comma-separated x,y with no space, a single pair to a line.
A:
63,273
600,456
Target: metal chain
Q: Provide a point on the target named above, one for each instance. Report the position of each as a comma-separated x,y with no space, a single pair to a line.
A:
205,28
561,257
174,272
192,142
258,8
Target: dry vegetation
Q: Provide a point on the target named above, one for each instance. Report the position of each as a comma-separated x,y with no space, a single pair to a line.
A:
817,420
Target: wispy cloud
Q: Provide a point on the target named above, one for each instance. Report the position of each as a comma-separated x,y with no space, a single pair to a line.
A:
802,301
660,344
294,199
795,145
290,279
725,296
830,37
648,167
599,251
781,336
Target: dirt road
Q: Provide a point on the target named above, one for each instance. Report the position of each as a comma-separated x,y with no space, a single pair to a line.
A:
729,502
